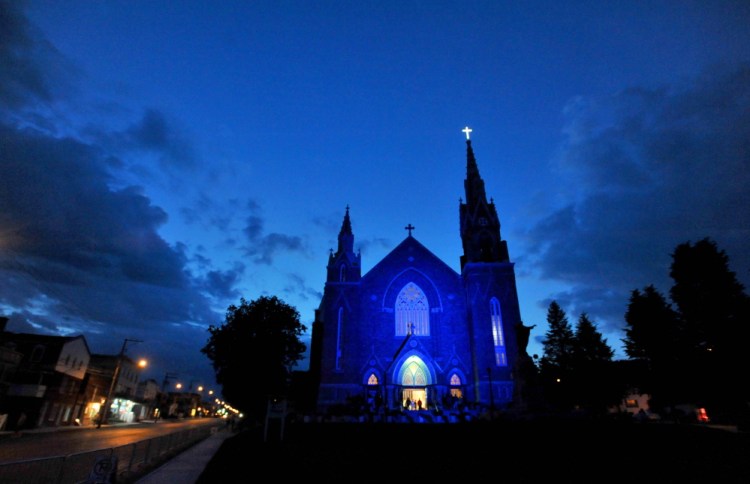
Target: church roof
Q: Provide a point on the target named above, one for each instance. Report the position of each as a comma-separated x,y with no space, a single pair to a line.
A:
406,253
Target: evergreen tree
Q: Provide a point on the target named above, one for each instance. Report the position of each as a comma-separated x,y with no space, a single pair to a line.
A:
555,365
653,334
652,330
254,351
715,316
695,351
592,371
590,345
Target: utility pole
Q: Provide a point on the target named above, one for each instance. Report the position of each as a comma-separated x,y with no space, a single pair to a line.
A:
107,402
167,376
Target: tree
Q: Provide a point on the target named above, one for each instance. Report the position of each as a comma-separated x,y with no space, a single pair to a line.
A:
696,351
555,365
591,368
654,335
715,315
254,351
652,326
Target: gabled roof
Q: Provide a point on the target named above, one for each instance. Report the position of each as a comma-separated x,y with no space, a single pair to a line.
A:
25,342
412,246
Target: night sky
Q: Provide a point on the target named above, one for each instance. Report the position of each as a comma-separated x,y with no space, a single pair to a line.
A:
161,160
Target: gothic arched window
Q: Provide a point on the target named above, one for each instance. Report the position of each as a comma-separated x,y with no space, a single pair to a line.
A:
414,375
373,380
497,332
455,388
342,273
338,338
412,311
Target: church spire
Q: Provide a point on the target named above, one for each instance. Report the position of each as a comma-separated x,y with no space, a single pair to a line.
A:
346,237
480,225
344,264
473,185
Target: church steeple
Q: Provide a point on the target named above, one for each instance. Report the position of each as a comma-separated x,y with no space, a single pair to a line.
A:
480,225
346,237
344,265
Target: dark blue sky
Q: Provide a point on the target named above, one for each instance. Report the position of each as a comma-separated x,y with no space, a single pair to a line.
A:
160,160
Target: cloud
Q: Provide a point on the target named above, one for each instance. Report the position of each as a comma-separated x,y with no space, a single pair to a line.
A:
157,134
642,171
23,77
221,284
263,248
80,249
80,257
55,199
297,286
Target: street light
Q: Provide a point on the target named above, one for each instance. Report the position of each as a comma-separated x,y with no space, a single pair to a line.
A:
105,408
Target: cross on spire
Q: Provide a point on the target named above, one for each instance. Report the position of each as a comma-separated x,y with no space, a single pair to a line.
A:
467,130
409,227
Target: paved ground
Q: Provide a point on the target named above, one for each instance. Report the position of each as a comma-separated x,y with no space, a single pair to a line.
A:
517,452
187,466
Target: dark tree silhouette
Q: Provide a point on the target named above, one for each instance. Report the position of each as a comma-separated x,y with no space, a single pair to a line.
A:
556,364
694,352
592,370
654,335
714,313
652,326
254,351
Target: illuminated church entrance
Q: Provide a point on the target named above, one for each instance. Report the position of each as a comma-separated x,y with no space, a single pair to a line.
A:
414,378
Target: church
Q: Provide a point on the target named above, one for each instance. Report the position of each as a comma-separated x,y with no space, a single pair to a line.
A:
412,333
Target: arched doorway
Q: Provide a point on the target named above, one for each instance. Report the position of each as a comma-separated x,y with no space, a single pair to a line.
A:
414,377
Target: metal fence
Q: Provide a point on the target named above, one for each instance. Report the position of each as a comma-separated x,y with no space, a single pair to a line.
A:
120,464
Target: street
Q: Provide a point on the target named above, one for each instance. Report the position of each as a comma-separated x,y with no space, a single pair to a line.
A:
71,440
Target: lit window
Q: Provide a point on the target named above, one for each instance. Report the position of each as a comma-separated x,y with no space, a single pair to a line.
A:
497,332
455,383
373,380
414,375
412,311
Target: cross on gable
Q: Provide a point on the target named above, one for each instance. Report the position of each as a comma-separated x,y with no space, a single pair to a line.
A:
409,227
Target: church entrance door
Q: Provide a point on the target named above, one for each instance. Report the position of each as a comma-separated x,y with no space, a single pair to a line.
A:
414,398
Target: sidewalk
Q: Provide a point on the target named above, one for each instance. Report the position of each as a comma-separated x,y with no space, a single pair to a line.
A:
187,466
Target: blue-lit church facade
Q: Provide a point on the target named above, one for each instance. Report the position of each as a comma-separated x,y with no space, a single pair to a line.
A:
414,333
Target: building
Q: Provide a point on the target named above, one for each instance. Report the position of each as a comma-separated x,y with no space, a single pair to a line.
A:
46,384
414,333
125,406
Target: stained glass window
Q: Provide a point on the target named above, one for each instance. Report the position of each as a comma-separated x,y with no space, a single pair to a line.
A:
414,375
497,332
373,380
412,311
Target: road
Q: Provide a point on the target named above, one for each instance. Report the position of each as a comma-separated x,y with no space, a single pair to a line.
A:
66,441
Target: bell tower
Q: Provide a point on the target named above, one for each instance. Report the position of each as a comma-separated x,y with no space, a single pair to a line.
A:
480,225
344,265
